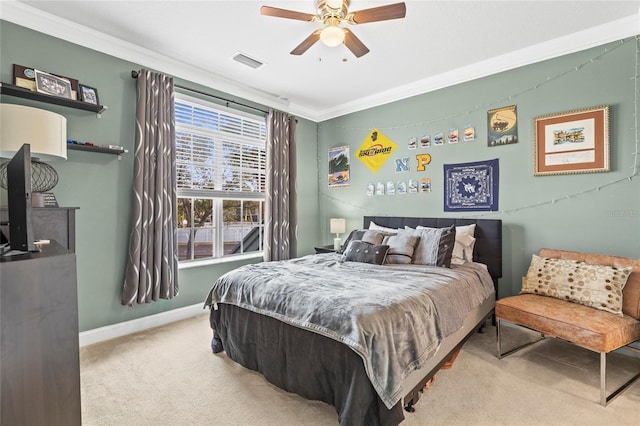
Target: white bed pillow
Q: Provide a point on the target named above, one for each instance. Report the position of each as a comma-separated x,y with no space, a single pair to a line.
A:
464,244
375,227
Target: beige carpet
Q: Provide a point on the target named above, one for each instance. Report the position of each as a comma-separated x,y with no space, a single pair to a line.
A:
168,376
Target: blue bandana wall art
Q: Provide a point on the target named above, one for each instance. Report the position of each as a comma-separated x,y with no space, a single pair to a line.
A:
471,186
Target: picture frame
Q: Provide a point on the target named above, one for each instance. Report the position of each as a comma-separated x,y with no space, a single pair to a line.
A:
571,142
339,166
502,126
25,77
88,94
53,85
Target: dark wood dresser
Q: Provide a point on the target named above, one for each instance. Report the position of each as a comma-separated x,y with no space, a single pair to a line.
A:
39,354
51,223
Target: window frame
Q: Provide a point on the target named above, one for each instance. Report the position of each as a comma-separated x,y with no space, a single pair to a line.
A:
219,195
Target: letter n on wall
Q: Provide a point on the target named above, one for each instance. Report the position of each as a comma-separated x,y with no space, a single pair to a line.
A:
402,165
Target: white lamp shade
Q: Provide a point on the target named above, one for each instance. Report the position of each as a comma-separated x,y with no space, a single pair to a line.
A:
337,226
45,131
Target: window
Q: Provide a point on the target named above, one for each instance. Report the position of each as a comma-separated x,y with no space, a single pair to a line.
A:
220,169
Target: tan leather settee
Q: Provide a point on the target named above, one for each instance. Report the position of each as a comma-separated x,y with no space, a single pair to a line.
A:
590,328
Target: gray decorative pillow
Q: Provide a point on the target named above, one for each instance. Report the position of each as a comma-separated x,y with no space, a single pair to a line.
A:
435,247
366,235
360,251
597,286
401,247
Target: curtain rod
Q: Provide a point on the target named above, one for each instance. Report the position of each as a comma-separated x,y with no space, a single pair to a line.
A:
134,74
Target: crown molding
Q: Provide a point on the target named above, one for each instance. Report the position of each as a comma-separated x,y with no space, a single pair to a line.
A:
52,25
582,40
38,20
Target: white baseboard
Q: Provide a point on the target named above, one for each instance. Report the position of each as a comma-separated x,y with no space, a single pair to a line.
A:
101,334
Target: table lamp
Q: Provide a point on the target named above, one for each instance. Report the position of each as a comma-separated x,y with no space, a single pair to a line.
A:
46,132
337,226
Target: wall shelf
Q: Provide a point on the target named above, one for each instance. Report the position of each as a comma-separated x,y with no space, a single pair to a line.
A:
102,149
20,92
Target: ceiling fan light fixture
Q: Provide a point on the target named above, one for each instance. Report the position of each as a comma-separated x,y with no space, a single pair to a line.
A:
333,13
332,36
334,4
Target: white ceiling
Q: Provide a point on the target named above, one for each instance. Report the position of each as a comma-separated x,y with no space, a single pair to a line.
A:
439,43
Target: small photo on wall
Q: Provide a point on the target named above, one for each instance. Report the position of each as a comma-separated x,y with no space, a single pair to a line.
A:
453,135
425,141
401,187
413,186
391,188
438,139
380,188
425,185
469,133
371,189
413,142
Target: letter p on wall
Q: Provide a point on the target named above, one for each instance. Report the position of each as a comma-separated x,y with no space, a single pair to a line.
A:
423,160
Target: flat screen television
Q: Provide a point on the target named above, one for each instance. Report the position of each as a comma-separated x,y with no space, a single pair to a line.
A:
19,197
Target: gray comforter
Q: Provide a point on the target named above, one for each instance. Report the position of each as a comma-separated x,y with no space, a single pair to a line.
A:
394,317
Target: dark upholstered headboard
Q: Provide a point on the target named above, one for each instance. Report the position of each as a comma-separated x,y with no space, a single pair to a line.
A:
488,247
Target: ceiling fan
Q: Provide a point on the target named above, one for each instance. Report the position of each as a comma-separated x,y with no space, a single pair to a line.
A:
333,13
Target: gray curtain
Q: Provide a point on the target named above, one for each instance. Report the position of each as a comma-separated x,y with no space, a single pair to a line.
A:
280,206
152,263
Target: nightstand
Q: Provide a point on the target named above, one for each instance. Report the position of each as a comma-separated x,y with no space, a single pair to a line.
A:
325,249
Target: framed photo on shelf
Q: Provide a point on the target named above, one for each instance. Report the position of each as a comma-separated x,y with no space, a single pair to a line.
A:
52,85
25,77
571,142
88,94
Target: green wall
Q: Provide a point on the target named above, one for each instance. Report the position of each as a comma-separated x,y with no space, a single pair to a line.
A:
100,184
564,212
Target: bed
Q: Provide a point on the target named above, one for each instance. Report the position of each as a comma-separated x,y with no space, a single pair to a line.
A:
312,344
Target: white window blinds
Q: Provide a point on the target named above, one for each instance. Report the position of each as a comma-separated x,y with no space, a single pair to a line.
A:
219,152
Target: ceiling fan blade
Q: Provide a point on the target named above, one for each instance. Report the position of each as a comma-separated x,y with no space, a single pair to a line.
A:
382,13
307,43
354,44
285,13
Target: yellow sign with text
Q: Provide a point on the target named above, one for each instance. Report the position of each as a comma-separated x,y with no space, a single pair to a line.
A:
375,150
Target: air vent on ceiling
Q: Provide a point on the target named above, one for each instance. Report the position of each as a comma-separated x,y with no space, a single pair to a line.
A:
248,61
